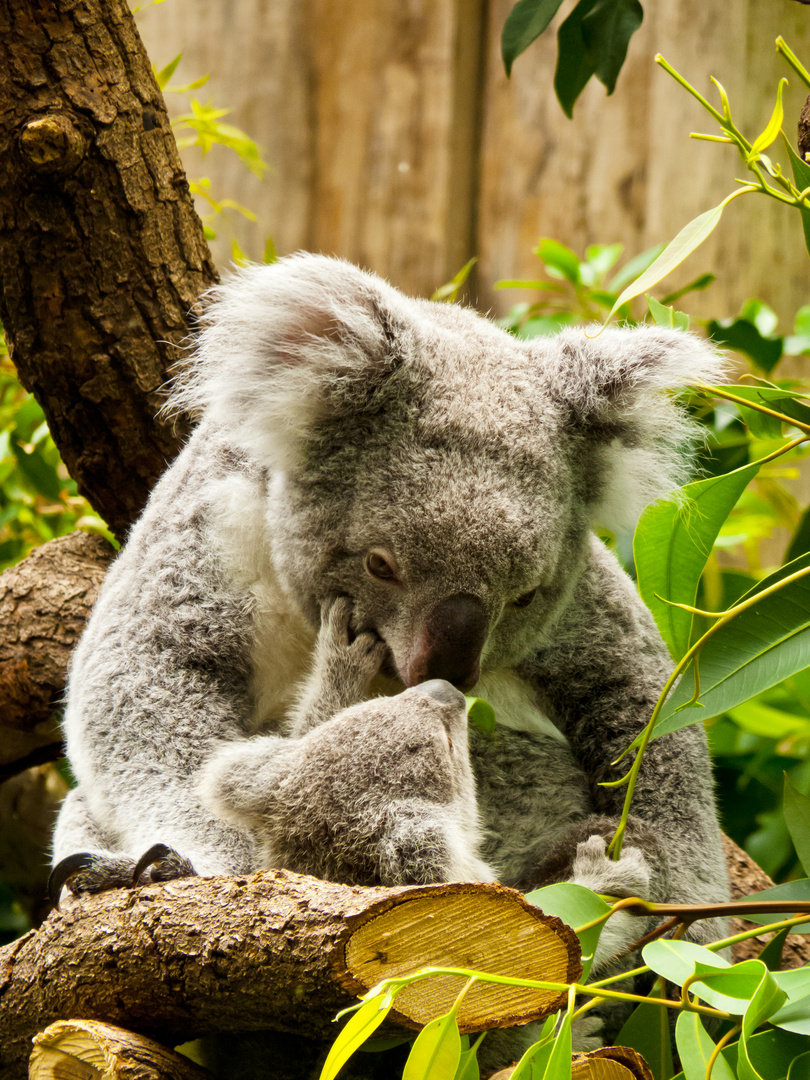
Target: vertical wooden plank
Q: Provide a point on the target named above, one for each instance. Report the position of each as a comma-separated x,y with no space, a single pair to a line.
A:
624,168
366,113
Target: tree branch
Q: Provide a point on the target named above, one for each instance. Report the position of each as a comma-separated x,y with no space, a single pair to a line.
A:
273,950
44,604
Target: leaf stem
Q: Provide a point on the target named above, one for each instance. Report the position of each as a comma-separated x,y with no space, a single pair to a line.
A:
785,51
715,391
732,1033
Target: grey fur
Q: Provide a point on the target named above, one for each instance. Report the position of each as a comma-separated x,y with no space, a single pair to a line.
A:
207,710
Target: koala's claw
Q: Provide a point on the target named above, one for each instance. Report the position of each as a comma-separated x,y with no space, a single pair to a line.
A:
166,865
88,872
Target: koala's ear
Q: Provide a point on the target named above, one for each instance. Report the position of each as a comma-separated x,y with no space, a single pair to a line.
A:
283,346
634,441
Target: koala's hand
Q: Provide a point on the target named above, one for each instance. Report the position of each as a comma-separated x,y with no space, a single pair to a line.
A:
94,872
627,876
344,665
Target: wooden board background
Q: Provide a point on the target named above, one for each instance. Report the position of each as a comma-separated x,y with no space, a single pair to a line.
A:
396,140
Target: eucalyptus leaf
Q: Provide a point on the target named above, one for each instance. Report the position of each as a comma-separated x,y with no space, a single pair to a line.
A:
574,65
801,174
606,30
688,239
481,713
800,541
576,906
647,1030
359,1027
796,807
672,542
800,1068
436,1052
760,647
525,23
695,1048
743,336
786,893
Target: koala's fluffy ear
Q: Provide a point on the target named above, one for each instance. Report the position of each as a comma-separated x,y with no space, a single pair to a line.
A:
613,391
282,346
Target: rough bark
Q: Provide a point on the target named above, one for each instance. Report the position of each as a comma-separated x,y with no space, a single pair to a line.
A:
101,252
746,878
44,604
88,1050
280,950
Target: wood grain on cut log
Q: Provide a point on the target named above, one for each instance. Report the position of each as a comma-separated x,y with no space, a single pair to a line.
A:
89,1050
101,252
609,1063
44,604
273,950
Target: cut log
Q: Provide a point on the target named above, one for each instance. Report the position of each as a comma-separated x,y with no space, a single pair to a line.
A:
273,950
608,1063
88,1050
44,604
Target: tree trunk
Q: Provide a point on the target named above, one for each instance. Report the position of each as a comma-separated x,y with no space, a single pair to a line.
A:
44,605
273,950
101,252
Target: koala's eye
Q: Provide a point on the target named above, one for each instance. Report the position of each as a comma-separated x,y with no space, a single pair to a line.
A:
525,599
381,565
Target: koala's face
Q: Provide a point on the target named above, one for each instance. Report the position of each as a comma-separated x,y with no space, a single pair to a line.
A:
453,521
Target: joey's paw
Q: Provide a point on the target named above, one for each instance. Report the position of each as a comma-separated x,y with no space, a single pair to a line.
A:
161,863
627,876
356,658
89,872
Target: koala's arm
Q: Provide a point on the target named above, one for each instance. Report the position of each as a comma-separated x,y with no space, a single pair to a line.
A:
599,680
160,679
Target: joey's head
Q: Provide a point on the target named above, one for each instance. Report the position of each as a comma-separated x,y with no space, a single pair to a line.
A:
441,473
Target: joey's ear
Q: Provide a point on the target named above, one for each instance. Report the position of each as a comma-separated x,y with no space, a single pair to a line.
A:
283,346
636,441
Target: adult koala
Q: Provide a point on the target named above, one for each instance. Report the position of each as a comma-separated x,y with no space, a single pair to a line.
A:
384,492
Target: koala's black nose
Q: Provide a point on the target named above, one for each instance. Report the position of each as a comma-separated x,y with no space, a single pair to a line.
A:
450,643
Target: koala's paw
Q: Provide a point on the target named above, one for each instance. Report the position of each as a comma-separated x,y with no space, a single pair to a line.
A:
89,872
587,1033
627,876
92,872
352,659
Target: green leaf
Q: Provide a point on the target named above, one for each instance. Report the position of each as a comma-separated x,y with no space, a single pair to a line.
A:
690,237
525,23
800,1068
468,1068
771,955
574,66
703,281
695,1048
437,1051
786,893
637,265
559,1062
801,174
356,1030
800,541
795,1016
647,1031
773,127
760,647
576,906
162,77
666,316
606,30
672,542
796,807
448,293
743,335
557,256
766,1001
481,713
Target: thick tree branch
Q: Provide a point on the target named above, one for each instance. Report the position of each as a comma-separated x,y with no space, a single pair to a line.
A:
101,252
44,604
278,950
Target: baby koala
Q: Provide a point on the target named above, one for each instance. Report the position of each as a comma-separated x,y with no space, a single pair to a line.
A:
383,793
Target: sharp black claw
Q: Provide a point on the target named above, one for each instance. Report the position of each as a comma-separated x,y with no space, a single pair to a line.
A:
155,853
64,871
